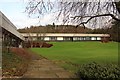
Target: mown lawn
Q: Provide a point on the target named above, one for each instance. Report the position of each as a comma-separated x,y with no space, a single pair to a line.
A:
81,52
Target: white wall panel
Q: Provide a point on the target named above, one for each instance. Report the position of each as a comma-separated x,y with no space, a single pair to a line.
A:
46,38
98,38
60,38
93,38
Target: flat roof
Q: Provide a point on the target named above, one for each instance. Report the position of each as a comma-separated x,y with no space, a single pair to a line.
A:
9,26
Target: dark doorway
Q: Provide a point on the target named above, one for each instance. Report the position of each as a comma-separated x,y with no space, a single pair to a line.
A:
71,38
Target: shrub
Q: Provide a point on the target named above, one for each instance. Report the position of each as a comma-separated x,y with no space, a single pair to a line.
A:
97,71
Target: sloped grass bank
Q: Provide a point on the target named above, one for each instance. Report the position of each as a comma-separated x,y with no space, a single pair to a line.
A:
71,55
14,63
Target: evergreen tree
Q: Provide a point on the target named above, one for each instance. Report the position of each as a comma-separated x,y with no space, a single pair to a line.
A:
115,31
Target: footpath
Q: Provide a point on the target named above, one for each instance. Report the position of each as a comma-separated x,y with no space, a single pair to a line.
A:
43,68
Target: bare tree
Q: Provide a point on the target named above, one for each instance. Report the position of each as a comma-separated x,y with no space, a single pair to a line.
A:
81,12
41,36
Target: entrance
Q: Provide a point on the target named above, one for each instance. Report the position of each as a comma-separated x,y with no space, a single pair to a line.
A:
71,38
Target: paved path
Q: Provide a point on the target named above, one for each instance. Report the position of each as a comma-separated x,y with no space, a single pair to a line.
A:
44,68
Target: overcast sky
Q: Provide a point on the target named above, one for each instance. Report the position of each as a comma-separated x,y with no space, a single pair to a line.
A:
14,11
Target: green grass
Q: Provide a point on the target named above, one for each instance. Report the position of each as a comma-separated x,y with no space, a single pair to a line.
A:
81,52
13,65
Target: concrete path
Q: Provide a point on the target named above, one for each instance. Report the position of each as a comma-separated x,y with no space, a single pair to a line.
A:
43,68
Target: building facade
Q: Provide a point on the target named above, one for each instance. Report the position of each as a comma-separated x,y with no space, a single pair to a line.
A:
64,37
9,36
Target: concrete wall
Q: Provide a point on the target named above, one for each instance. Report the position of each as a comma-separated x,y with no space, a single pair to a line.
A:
0,51
8,25
46,39
59,38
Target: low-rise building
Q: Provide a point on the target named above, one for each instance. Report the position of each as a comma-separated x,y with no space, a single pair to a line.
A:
9,36
64,37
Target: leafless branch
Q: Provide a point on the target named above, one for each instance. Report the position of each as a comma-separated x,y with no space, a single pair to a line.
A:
87,10
91,17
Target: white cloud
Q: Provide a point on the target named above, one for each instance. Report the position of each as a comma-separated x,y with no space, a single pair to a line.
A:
9,1
25,21
14,12
13,1
49,19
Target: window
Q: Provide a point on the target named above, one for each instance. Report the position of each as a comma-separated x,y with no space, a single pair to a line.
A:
82,38
98,38
26,38
66,38
78,38
88,38
93,38
53,38
75,38
34,39
40,38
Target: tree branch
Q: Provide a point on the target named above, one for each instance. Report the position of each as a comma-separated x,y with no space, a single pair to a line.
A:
117,4
91,17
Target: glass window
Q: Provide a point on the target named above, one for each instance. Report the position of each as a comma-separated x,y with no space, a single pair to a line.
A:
40,38
53,38
66,38
88,38
98,38
82,38
93,38
74,38
78,38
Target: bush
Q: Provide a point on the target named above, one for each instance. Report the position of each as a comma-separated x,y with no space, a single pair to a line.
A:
97,71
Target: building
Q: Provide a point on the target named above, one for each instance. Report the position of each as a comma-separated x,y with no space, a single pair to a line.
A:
9,36
64,37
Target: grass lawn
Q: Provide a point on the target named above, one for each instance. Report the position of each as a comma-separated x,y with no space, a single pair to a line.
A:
80,52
